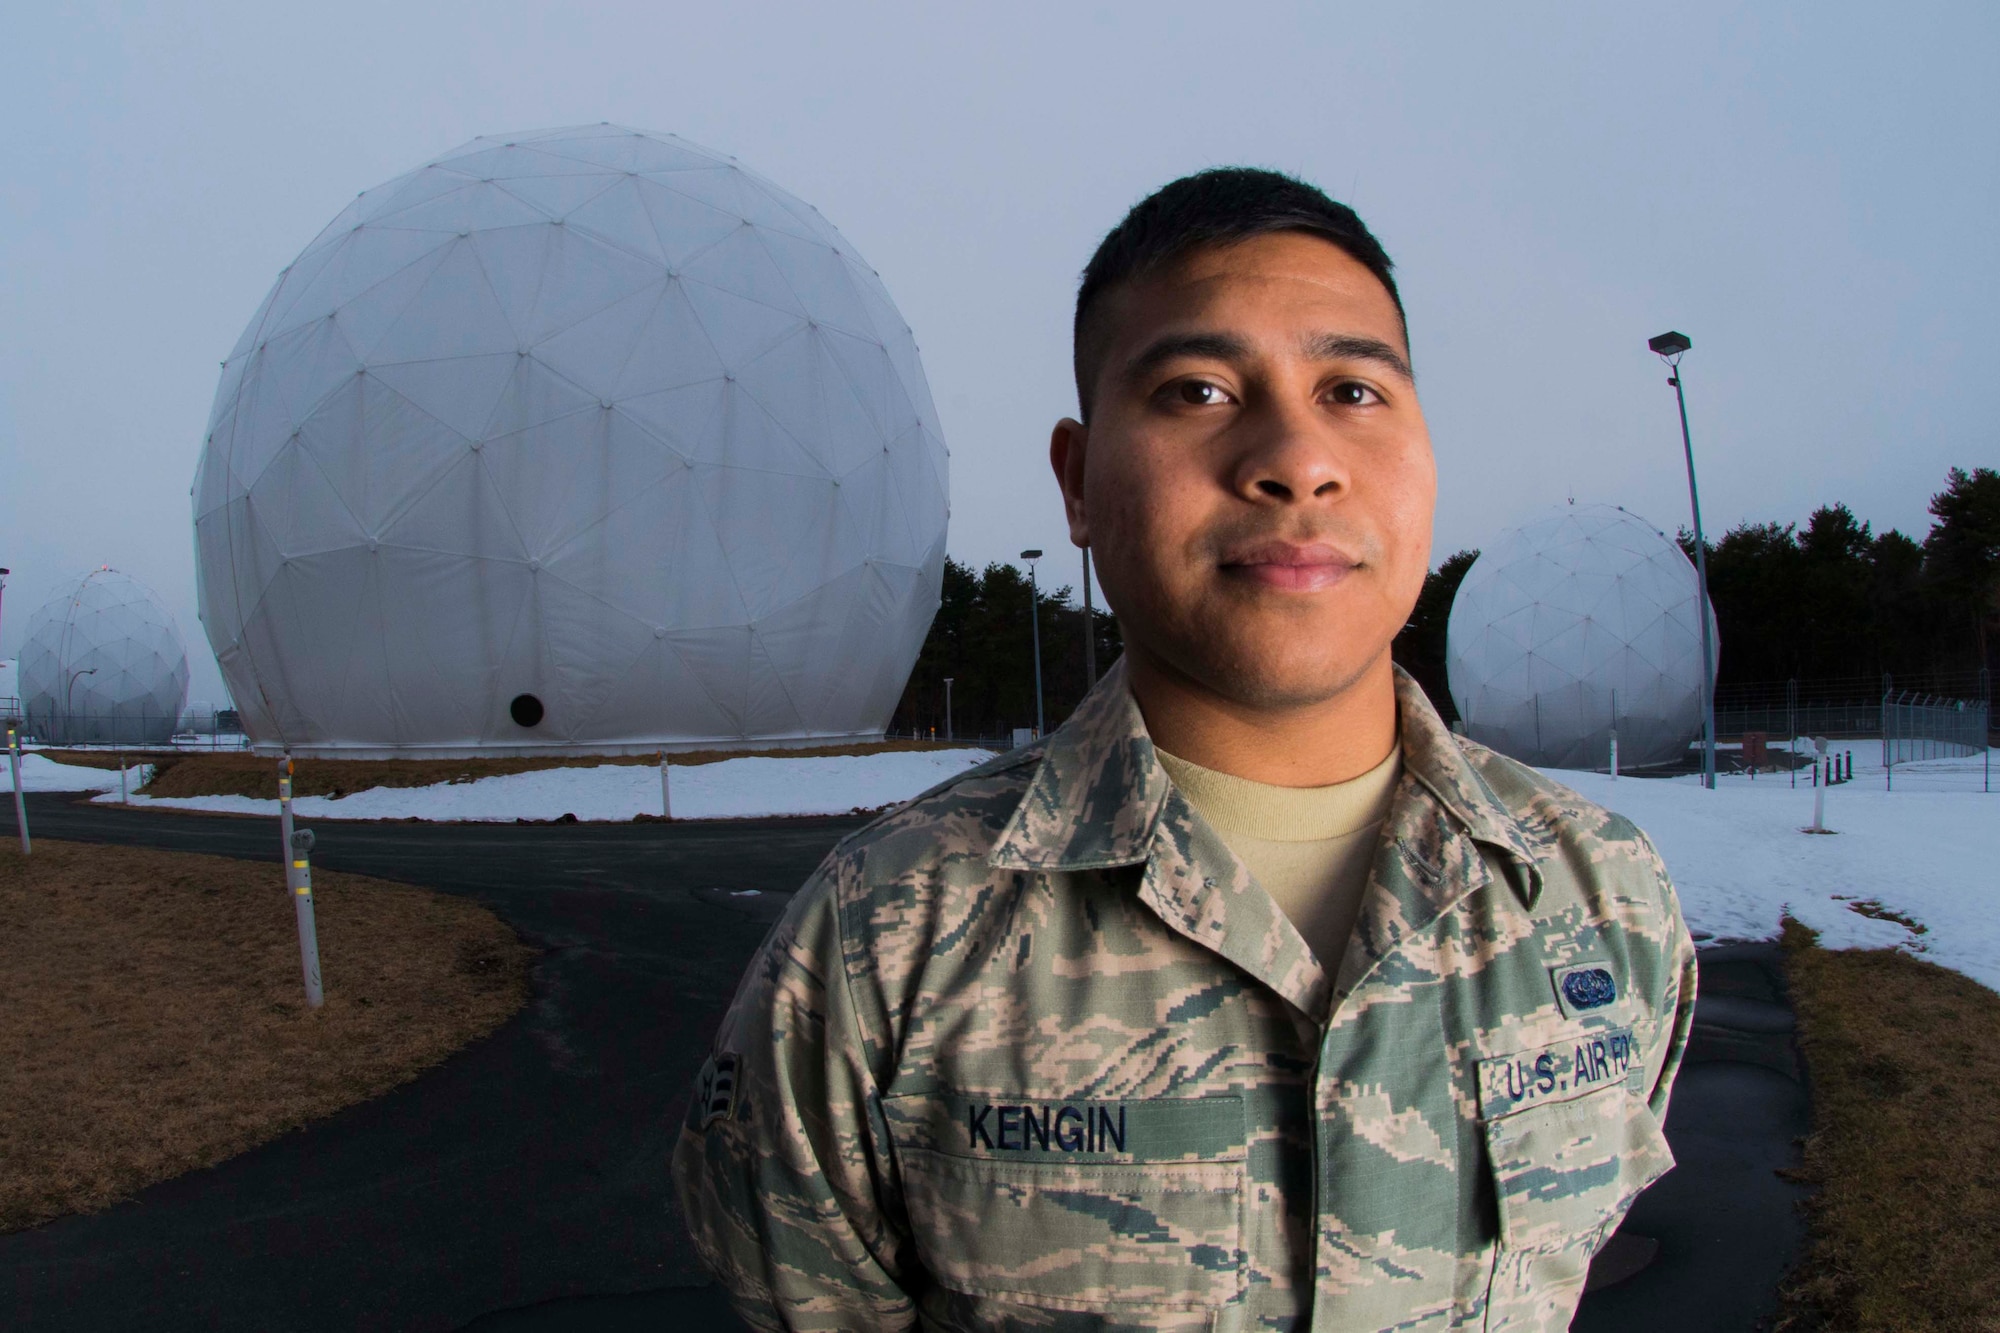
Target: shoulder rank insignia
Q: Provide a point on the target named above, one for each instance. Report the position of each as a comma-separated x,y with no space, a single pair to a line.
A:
715,1092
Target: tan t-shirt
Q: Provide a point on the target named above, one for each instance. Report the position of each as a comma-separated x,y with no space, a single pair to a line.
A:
1310,848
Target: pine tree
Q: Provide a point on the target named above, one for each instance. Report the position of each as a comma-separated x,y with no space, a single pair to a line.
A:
1962,553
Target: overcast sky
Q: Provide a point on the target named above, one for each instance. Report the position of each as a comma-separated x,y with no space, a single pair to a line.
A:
1807,191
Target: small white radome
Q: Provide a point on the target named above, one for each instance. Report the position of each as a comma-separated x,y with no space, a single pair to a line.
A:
1571,624
103,664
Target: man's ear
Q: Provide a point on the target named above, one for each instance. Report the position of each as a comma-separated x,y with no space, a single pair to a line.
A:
1069,444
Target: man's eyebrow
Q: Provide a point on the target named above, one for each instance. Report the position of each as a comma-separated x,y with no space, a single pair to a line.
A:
1229,347
1216,346
1356,347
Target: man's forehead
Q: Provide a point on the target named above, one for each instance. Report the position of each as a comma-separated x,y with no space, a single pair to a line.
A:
1293,254
1289,286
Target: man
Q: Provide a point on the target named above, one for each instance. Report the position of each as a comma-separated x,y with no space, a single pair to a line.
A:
1252,998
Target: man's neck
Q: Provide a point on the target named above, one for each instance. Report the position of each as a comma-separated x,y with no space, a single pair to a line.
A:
1310,745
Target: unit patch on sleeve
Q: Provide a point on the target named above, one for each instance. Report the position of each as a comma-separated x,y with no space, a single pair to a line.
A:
1556,1073
715,1092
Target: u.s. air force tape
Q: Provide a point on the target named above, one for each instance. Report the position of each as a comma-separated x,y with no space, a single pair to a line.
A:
715,1092
1557,1072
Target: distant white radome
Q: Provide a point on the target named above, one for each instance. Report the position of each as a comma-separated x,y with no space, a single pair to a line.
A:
1561,621
584,439
103,664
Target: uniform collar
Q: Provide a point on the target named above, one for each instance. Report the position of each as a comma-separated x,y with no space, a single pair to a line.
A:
1434,757
1098,793
1096,797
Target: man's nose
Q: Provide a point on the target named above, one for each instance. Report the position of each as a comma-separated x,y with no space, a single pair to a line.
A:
1287,455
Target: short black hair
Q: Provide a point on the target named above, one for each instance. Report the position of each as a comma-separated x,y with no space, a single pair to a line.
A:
1218,207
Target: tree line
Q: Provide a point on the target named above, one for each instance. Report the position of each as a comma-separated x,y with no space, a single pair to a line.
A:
1833,599
1827,603
983,639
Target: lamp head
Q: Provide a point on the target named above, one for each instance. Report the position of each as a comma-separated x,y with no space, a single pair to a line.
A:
1031,555
1669,344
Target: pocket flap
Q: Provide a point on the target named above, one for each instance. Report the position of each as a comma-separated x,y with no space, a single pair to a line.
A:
1117,1208
1562,1170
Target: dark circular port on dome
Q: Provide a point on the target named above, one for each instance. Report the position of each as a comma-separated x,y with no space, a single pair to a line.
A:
526,710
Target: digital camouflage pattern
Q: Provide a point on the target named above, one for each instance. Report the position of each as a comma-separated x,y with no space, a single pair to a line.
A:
1035,1052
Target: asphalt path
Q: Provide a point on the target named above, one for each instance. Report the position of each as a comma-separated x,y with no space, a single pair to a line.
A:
528,1171
522,1186
1722,1227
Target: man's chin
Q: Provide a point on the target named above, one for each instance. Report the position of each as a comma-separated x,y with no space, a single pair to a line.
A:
1278,682
1287,695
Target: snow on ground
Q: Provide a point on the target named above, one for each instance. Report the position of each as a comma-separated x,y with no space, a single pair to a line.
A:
1929,850
39,773
726,789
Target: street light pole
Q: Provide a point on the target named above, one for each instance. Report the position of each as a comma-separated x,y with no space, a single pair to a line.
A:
14,751
947,707
1670,347
69,718
1035,621
17,672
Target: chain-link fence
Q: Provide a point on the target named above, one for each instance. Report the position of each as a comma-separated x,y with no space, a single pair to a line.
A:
1843,717
216,729
1849,708
1922,726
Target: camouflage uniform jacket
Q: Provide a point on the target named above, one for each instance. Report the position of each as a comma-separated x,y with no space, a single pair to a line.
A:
1035,1051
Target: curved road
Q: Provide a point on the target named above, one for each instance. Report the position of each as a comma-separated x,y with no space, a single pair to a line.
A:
523,1184
529,1168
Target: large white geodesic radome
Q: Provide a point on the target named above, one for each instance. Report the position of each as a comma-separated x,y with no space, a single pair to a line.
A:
581,439
1572,623
103,664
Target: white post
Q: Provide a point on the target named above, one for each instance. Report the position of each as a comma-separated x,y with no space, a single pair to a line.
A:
1889,720
285,811
299,873
298,882
124,797
20,805
1819,788
1614,735
666,795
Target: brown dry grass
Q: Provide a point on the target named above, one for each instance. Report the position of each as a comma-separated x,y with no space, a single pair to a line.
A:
1905,1148
242,774
153,1018
106,758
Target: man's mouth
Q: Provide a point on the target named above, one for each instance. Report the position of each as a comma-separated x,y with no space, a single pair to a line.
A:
1290,566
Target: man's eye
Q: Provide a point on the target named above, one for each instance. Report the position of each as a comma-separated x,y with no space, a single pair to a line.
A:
1349,393
1200,393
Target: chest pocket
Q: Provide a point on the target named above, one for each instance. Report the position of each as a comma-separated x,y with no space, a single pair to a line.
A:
1564,1173
1130,1210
